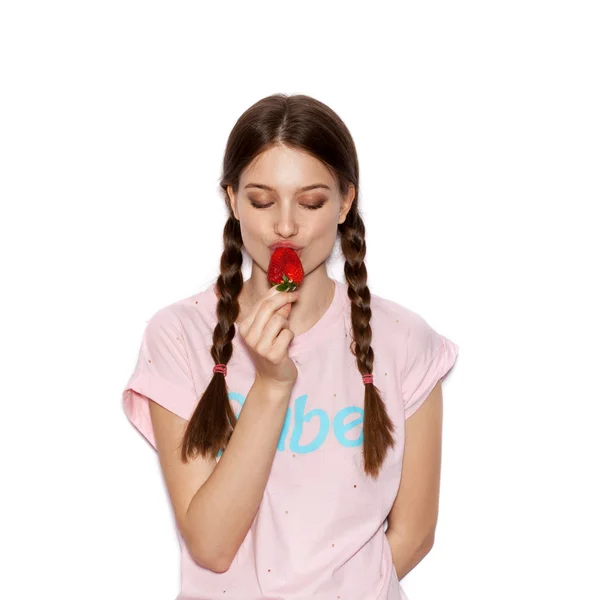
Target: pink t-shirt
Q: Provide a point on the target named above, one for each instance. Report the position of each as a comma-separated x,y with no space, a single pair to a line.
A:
320,528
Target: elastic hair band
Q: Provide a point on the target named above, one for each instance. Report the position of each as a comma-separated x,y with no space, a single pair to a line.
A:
219,368
368,378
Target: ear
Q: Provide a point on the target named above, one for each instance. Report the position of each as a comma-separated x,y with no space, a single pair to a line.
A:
233,202
346,203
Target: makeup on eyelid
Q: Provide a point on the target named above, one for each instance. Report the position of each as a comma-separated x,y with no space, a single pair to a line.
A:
313,206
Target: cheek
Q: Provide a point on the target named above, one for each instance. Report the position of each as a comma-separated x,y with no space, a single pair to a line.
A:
322,220
251,225
324,229
322,238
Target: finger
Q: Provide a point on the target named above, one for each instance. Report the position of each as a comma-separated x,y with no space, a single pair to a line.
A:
267,310
285,310
272,329
274,295
252,313
282,341
268,307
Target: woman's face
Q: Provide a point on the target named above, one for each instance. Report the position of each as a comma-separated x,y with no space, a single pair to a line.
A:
272,206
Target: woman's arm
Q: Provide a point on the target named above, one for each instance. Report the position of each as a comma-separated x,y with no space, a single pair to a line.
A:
406,553
413,517
215,503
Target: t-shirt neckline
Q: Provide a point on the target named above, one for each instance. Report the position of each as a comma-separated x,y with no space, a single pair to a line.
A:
308,339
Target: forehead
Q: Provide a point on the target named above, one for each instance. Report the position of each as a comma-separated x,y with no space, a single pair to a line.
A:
286,169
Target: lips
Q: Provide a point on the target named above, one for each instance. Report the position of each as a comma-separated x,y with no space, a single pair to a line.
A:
297,249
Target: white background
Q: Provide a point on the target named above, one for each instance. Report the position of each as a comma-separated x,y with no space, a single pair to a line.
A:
478,132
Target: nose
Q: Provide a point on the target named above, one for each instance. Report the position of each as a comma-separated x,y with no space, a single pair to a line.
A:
286,224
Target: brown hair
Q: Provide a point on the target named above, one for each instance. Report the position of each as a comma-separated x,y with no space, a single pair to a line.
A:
300,122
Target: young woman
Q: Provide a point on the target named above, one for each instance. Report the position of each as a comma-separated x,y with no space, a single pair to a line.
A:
281,419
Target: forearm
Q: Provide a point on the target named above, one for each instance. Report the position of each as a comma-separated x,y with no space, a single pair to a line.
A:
407,551
224,508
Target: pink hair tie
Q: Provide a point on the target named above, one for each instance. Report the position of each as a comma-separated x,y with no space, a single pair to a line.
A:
368,378
220,368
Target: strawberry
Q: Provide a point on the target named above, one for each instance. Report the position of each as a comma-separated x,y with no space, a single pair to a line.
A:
285,269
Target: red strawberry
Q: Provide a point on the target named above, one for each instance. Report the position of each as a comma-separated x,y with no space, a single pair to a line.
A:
285,269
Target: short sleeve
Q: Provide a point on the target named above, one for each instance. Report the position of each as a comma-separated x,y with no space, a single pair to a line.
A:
429,358
162,374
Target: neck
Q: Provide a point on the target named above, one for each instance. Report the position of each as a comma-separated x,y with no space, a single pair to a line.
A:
316,294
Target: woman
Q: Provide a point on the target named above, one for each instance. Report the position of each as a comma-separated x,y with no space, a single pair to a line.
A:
281,418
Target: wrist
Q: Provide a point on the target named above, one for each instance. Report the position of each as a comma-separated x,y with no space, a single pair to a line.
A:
272,389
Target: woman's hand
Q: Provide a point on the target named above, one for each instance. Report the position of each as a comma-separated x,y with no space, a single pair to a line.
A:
266,332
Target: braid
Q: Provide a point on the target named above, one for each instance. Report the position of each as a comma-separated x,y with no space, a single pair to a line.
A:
377,426
212,423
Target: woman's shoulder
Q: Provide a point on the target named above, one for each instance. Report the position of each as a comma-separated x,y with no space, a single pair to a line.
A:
194,313
394,316
410,336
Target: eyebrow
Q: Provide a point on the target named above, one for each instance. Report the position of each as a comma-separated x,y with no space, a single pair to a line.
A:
262,186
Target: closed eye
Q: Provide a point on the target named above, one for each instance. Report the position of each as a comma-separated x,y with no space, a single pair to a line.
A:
308,206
